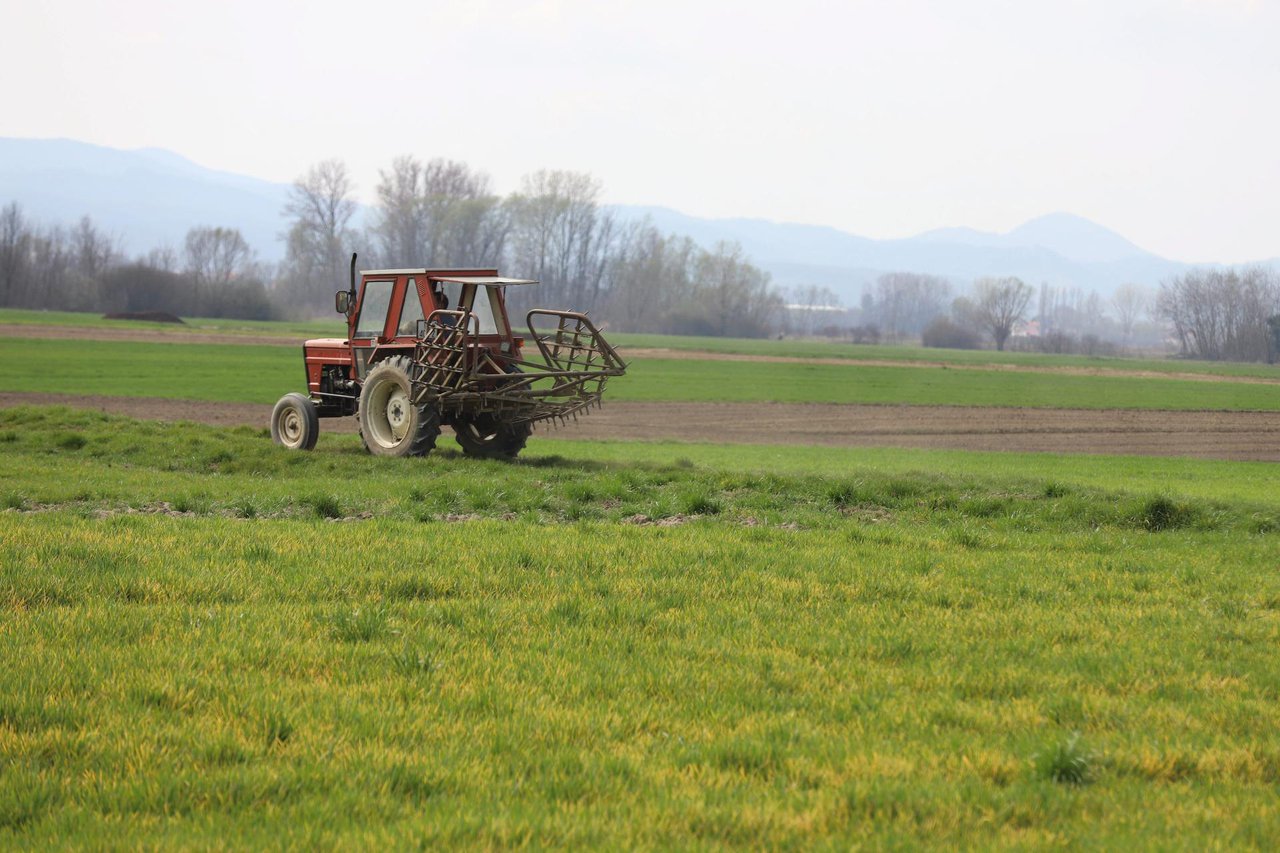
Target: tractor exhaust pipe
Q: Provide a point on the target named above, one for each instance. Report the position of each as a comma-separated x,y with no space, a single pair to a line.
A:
353,277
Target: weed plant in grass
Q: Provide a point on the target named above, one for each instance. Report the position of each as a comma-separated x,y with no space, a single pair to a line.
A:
261,374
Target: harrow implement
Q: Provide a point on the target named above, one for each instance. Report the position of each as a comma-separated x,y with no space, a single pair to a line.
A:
454,372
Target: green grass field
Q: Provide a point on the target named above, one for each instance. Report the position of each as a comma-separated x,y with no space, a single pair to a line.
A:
262,374
743,346
889,352
213,642
201,325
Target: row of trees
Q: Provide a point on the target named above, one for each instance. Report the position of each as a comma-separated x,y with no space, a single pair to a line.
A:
904,306
442,213
1228,315
1213,314
83,269
439,213
554,228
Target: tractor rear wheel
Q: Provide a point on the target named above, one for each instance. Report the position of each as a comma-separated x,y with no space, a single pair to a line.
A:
295,423
487,437
390,423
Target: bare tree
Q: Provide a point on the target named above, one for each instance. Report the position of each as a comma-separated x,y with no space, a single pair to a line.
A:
1130,302
1222,315
809,304
442,213
562,236
649,275
163,258
94,249
15,252
733,295
903,303
400,222
320,237
214,257
467,223
1000,305
52,265
474,232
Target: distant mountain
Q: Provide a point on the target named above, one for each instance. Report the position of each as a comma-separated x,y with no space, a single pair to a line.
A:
1061,249
147,197
150,196
1072,237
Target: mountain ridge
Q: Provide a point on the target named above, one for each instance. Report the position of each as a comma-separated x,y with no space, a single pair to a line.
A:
59,180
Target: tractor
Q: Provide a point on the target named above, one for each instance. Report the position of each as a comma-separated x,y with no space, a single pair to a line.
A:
427,348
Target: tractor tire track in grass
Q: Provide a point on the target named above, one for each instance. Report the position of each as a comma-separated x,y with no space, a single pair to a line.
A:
1207,434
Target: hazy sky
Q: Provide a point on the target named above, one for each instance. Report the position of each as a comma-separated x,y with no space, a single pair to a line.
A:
1158,119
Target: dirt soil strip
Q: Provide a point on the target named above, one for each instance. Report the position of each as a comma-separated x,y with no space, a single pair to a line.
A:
1214,435
177,335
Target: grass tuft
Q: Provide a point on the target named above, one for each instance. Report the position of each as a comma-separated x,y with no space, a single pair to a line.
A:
1161,512
701,504
359,624
278,729
258,553
411,784
1053,490
325,506
843,495
412,663
1066,762
71,441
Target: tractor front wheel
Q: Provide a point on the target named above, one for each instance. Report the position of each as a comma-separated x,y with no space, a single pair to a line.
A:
487,437
390,423
295,423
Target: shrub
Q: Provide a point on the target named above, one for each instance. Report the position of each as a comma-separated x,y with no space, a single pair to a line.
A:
948,334
1163,513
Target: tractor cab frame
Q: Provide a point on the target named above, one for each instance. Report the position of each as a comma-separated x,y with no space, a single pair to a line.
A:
427,347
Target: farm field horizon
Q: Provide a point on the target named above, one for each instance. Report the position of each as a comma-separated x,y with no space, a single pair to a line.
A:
641,643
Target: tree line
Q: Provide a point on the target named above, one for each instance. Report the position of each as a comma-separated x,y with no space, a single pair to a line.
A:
435,213
443,213
82,268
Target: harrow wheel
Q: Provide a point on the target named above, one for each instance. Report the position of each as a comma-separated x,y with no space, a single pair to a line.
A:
390,424
487,437
295,423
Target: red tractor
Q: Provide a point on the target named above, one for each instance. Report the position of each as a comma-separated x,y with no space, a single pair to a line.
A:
425,348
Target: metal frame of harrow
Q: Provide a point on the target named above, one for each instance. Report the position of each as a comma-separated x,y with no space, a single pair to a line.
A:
460,375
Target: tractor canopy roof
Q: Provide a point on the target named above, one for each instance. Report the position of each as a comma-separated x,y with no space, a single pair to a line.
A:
490,280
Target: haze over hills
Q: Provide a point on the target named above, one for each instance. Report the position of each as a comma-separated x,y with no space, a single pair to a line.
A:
1061,249
150,197
147,197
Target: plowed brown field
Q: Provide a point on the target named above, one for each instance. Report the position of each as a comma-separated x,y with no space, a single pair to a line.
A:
1219,435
